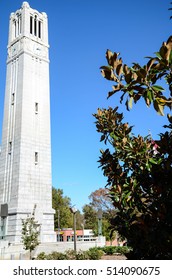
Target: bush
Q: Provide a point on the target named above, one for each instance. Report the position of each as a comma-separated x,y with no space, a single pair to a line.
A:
95,253
52,256
79,255
110,250
122,250
70,255
56,256
82,255
91,254
41,256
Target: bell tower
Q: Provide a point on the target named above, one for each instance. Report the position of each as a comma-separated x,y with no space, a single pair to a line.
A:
25,160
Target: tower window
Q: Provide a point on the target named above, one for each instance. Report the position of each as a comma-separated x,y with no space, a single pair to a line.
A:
10,147
31,24
36,108
15,29
35,25
17,25
39,29
20,24
12,98
36,157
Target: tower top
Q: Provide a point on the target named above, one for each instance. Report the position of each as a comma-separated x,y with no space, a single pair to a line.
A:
25,4
28,22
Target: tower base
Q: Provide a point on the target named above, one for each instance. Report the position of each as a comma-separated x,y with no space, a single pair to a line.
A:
14,225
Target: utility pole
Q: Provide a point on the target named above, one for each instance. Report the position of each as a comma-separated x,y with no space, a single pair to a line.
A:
73,211
99,216
58,211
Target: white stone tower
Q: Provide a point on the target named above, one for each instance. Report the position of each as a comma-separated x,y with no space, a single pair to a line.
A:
25,161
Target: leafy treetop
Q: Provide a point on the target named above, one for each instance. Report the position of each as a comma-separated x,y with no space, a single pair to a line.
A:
141,81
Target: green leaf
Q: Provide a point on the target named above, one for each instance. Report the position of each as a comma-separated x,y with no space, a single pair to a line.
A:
149,95
153,161
157,88
113,136
158,55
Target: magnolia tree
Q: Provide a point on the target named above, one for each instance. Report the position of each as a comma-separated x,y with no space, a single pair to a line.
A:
139,169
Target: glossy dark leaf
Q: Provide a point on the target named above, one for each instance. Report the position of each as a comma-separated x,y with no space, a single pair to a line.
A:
119,69
158,88
128,77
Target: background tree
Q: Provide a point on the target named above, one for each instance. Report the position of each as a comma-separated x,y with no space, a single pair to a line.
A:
90,217
30,233
139,169
63,216
99,199
62,205
79,220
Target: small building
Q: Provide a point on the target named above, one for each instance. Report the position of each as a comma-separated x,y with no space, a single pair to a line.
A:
67,235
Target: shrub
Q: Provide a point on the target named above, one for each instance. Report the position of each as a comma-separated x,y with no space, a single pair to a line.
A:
122,250
110,250
56,256
52,256
41,256
70,255
91,254
95,253
82,255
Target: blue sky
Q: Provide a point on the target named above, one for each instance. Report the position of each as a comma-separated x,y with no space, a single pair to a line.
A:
80,32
